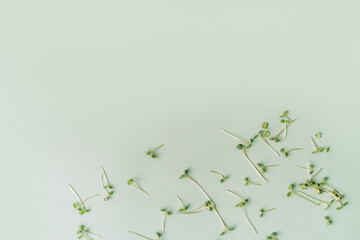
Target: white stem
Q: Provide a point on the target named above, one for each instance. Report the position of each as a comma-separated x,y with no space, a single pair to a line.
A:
77,196
230,135
254,167
180,202
308,170
135,185
285,131
102,183
106,178
248,220
316,173
268,144
208,197
163,223
235,195
139,235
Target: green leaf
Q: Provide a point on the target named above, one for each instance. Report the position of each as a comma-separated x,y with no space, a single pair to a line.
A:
318,135
240,146
130,181
265,125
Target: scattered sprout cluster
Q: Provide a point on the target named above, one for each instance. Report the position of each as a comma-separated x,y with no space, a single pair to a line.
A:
312,190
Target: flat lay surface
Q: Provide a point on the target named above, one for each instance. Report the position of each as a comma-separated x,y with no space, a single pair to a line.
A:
90,83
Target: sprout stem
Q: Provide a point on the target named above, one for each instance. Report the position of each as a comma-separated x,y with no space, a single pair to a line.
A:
268,144
254,167
231,135
77,196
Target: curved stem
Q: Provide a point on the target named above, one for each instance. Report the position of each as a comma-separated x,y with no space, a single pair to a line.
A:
140,189
230,135
287,125
105,176
139,235
268,144
316,173
95,195
94,234
271,166
316,204
270,209
248,220
208,197
157,148
294,149
235,195
77,196
254,167
180,202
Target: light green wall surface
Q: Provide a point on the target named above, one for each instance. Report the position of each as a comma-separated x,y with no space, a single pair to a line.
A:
84,83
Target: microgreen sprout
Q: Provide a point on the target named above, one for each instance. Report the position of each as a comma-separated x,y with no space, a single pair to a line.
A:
242,148
152,153
264,167
131,181
242,206
247,144
83,233
320,188
318,148
247,181
158,235
183,207
211,204
286,120
311,168
203,207
318,135
328,220
272,236
286,153
223,178
79,206
262,211
165,213
292,191
106,186
263,134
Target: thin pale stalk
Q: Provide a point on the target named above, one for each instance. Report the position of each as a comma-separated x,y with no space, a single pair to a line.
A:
313,197
269,145
235,195
94,234
316,204
102,183
77,196
180,202
254,167
270,209
208,197
308,171
105,176
316,173
217,173
230,135
139,235
96,195
287,125
140,189
248,220
163,223
157,148
257,184
271,166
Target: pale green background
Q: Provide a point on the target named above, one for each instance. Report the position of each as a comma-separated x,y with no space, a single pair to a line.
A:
85,82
